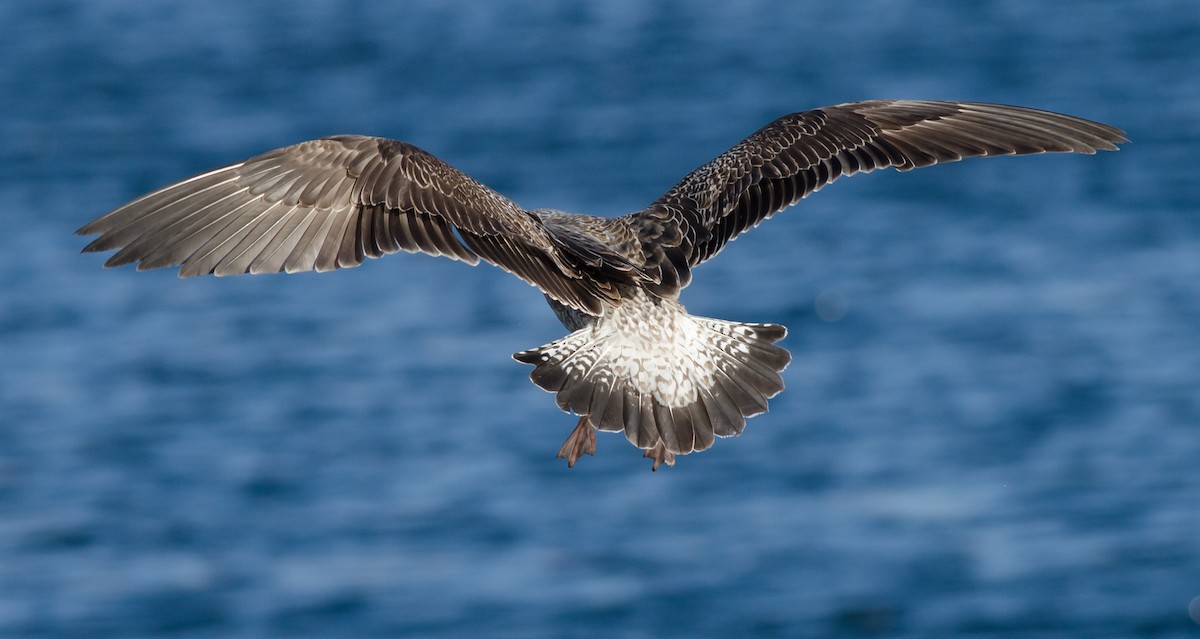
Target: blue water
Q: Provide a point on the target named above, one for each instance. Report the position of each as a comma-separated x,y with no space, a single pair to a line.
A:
998,438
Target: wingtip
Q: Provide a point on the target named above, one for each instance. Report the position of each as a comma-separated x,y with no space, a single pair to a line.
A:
95,246
88,229
117,259
1109,139
1114,142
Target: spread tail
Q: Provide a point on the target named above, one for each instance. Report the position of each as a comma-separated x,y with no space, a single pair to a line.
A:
677,379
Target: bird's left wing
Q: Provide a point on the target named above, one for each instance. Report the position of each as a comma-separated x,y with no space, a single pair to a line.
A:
330,203
799,153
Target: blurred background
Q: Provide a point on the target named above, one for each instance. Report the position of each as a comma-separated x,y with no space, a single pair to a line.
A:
991,427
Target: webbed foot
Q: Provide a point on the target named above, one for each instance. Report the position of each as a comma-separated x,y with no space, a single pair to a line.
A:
660,455
581,440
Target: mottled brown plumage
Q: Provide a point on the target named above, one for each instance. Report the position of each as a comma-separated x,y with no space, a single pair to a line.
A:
635,361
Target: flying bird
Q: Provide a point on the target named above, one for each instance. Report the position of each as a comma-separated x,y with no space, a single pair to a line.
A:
635,361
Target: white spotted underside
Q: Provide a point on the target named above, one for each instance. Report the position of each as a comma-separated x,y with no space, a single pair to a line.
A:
649,369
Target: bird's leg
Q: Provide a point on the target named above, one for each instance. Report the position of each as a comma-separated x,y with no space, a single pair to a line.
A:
581,440
660,455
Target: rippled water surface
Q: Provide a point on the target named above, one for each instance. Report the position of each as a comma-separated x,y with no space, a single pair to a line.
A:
991,427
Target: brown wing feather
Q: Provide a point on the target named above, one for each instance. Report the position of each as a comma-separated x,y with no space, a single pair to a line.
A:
798,154
331,203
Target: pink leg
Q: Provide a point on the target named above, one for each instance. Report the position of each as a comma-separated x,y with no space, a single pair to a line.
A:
581,440
660,455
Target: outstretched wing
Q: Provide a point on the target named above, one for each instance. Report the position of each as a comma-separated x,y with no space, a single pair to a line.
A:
330,203
799,153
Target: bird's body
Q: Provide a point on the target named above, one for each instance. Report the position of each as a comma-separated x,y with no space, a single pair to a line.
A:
635,360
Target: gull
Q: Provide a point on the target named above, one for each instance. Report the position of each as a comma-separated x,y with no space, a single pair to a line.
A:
635,361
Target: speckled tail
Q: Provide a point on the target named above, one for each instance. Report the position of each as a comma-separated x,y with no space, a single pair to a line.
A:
702,384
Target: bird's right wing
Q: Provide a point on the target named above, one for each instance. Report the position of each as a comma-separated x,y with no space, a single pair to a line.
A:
330,203
798,154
